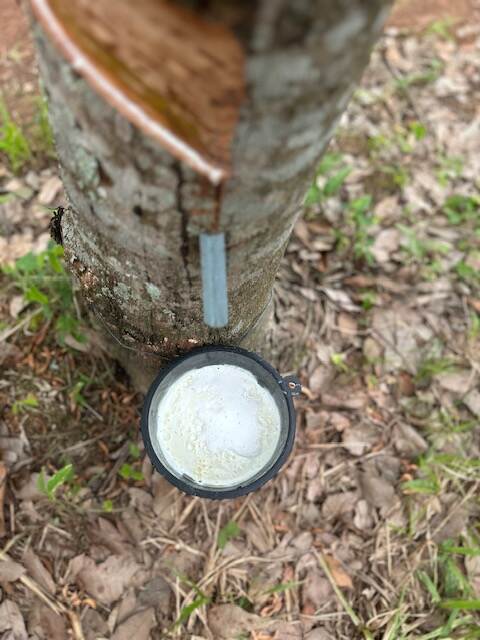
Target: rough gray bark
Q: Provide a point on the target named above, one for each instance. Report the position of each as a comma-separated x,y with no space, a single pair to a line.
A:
131,234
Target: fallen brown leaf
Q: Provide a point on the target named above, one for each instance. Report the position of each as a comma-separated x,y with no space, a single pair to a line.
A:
339,575
472,401
137,626
229,621
47,624
93,625
38,571
50,190
316,589
10,570
318,634
288,631
377,491
107,581
338,504
108,535
11,619
407,441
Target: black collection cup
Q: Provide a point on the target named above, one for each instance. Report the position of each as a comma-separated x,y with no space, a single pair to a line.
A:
281,389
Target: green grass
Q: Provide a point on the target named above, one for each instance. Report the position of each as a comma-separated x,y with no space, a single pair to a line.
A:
431,73
441,29
419,249
460,209
20,147
226,533
334,172
450,168
13,143
46,287
431,367
361,216
401,138
44,134
200,599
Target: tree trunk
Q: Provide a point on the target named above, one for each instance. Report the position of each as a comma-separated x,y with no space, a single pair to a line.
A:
131,232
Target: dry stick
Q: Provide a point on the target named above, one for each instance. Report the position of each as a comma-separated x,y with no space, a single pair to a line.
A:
76,626
353,616
6,333
175,543
252,507
185,514
3,483
239,513
9,545
206,518
177,602
389,550
56,606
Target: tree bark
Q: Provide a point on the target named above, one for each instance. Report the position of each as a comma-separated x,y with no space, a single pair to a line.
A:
131,232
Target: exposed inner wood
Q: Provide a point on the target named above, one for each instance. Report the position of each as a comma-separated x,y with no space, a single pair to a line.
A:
176,75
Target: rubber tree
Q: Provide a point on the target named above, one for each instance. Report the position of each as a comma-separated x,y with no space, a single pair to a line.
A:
263,84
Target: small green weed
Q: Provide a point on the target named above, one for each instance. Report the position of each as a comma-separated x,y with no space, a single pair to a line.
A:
200,600
467,273
76,394
432,367
329,178
441,29
338,361
431,73
421,248
226,533
133,450
474,326
44,134
341,240
61,477
362,217
464,605
447,584
418,129
283,586
428,481
127,472
19,406
13,142
449,168
43,282
187,611
460,209
368,299
399,175
402,138
107,506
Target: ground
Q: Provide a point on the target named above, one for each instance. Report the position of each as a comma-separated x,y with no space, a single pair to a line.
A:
372,530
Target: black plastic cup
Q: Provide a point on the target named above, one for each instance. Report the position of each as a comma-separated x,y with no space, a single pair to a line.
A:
281,389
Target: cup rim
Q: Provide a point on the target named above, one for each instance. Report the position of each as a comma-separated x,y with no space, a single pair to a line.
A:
220,494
